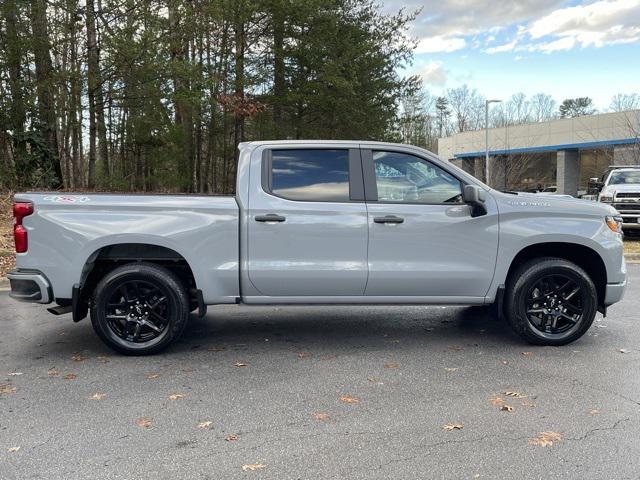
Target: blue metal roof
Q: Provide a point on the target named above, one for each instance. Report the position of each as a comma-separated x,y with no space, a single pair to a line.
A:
550,148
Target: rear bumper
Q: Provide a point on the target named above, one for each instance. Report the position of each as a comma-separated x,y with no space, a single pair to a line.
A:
29,286
614,293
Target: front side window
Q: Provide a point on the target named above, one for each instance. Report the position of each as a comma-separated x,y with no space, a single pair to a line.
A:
405,178
310,175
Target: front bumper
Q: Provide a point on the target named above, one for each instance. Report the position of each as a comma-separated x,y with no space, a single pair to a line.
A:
29,286
614,293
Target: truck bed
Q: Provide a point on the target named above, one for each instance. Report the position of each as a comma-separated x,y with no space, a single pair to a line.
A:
67,230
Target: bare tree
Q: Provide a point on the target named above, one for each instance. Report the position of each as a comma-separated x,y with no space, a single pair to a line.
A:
543,107
622,102
467,106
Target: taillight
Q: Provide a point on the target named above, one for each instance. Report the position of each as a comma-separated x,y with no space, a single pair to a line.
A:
20,236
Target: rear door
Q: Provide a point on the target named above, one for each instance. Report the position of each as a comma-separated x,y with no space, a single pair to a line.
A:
422,238
307,223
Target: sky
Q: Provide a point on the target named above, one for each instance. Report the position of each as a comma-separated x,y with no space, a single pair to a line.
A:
567,49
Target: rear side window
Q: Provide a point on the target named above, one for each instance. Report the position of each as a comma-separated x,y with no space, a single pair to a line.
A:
310,175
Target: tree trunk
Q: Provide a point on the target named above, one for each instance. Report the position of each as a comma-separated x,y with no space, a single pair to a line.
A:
279,87
94,78
45,82
17,111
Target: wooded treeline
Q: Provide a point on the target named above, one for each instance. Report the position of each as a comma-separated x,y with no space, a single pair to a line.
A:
155,95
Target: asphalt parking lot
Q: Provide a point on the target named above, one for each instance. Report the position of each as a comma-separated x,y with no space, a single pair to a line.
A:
323,392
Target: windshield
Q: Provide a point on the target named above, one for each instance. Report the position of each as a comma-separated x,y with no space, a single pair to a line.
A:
629,176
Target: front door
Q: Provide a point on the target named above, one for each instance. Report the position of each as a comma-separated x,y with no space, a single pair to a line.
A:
308,224
422,238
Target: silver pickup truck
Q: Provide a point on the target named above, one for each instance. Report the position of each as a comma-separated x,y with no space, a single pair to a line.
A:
319,222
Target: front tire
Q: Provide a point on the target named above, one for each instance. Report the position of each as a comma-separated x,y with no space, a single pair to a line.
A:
550,301
139,308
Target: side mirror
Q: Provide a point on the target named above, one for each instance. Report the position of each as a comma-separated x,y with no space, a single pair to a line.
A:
594,185
475,197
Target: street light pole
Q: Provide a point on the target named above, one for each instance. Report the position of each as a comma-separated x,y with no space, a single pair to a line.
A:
486,138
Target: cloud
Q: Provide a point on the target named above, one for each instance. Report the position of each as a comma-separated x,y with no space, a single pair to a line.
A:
440,44
597,24
469,17
538,25
505,47
433,73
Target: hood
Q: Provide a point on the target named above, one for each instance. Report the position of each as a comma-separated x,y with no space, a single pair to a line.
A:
623,187
553,203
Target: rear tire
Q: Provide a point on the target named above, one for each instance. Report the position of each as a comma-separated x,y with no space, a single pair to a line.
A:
139,309
550,301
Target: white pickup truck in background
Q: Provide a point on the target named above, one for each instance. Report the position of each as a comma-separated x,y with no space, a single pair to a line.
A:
620,188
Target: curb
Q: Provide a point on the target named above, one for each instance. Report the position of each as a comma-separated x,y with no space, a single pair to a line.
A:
632,257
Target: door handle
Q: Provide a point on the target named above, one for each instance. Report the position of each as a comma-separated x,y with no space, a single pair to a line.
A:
271,217
388,219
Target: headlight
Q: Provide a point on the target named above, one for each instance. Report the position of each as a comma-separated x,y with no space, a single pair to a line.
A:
614,223
606,198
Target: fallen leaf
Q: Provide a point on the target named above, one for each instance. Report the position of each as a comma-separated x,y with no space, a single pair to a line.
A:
70,376
7,388
348,399
97,396
177,396
391,365
545,439
593,411
240,364
216,349
144,422
454,348
451,369
151,376
514,394
623,350
506,408
372,379
452,426
13,449
304,354
206,424
52,372
321,416
527,354
78,358
231,438
15,374
497,401
253,466
187,370
103,359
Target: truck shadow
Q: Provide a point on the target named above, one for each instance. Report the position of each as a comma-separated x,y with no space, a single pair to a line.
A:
334,329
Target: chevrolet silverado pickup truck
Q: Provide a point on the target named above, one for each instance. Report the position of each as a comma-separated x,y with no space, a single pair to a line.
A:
319,222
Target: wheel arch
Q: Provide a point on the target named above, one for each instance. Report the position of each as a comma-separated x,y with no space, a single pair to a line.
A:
583,256
108,257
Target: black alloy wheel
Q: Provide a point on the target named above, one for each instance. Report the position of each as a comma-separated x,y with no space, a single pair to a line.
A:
139,308
555,304
550,301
